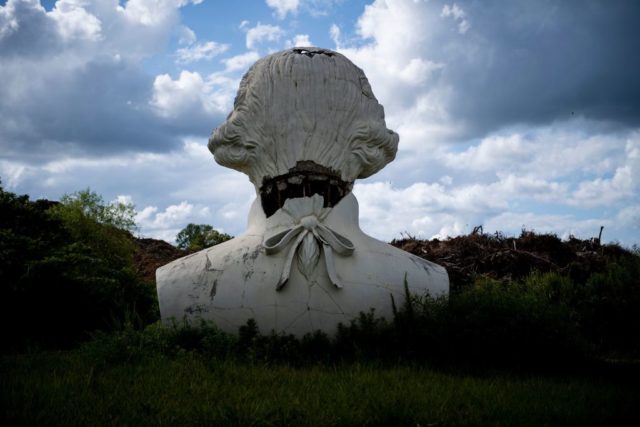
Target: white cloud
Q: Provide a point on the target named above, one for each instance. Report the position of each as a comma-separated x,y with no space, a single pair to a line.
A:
533,187
74,78
300,40
146,215
189,94
11,173
241,62
166,224
169,189
565,155
446,180
124,199
629,217
434,211
335,34
74,21
492,154
397,37
387,211
562,225
457,14
84,63
404,21
262,33
557,151
186,35
172,216
200,51
604,192
504,177
419,209
153,12
283,7
172,97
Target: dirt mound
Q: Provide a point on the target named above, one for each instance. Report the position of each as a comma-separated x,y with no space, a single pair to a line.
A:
464,257
512,258
151,254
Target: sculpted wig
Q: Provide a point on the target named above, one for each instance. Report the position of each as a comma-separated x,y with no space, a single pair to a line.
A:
304,104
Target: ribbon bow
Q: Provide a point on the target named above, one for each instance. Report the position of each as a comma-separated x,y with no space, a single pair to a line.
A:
309,236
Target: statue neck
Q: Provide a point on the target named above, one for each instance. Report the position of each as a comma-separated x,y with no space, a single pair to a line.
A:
343,217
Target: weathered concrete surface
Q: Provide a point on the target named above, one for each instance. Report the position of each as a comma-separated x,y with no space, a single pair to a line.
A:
236,280
304,105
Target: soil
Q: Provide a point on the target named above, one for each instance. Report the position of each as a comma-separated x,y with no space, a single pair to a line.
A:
511,258
465,257
151,254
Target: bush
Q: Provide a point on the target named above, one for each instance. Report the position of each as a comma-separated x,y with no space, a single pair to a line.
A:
546,321
66,271
86,204
609,308
512,324
64,274
131,344
492,325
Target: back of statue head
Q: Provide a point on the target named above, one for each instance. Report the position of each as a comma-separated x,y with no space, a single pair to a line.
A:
304,111
304,127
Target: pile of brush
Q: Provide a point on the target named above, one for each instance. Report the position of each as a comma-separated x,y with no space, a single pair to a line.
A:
512,258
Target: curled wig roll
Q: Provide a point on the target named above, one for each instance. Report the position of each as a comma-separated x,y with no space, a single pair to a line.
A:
304,104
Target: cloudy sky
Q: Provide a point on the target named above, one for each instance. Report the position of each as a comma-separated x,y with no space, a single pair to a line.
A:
511,115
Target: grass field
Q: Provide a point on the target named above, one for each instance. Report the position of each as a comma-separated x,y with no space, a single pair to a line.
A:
68,388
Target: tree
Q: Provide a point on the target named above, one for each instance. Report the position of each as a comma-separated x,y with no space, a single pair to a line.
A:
66,269
91,205
98,228
195,237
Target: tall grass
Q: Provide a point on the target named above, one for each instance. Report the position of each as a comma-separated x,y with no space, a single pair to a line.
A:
495,353
544,323
191,389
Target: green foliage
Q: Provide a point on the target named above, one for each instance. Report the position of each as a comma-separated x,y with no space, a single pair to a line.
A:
545,322
98,231
609,308
64,274
512,324
72,388
131,345
86,204
195,237
26,232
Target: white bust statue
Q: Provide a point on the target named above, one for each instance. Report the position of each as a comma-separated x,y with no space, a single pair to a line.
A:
304,127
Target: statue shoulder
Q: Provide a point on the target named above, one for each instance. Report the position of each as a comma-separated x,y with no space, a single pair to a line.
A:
376,257
217,257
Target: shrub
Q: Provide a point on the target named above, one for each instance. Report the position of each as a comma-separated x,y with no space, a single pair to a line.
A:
546,321
609,308
66,271
86,204
63,274
512,324
131,344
